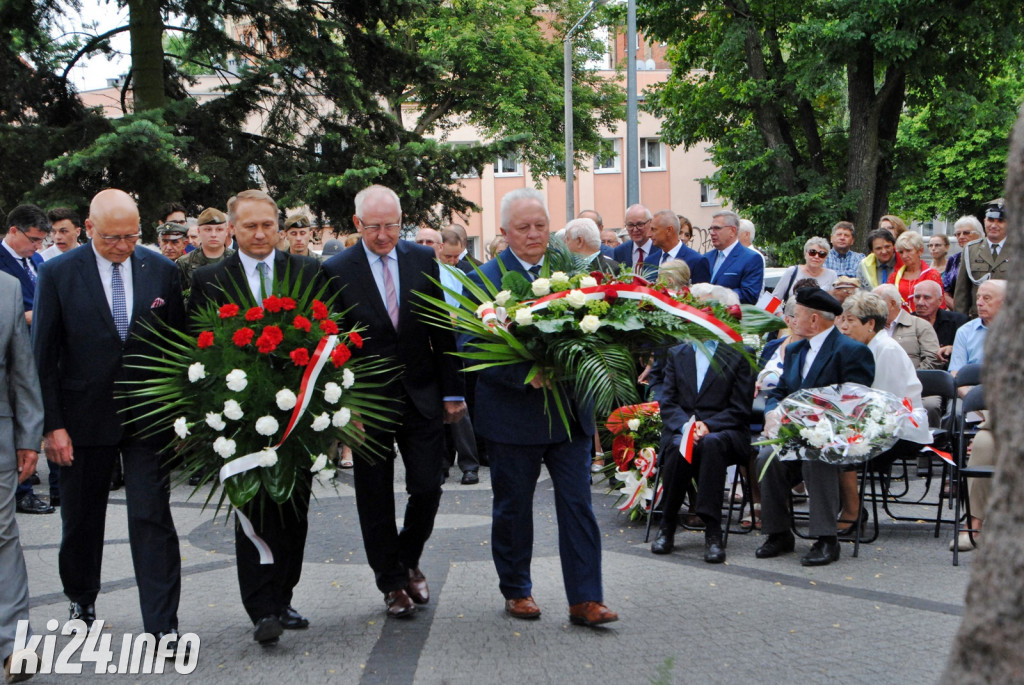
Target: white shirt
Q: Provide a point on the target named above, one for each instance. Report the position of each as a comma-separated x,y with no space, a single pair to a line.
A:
671,254
252,274
895,373
106,269
51,252
813,347
526,265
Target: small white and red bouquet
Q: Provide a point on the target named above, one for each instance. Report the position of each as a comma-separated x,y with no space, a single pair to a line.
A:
637,437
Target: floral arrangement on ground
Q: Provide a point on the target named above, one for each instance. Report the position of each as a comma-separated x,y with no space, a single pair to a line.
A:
636,431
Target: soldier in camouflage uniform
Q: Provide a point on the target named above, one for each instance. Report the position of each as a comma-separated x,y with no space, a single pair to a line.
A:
214,238
983,259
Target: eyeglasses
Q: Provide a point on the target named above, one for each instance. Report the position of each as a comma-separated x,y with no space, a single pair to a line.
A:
817,253
638,225
960,233
716,227
377,227
115,239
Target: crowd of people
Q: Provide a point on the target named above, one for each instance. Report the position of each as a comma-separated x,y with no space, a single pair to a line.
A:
75,312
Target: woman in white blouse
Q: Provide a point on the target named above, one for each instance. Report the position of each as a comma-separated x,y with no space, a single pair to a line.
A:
863,319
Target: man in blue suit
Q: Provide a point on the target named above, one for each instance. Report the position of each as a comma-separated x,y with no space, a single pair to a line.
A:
823,357
665,236
27,227
506,403
639,253
731,265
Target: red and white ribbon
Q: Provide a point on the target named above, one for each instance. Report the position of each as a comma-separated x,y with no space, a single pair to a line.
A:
321,356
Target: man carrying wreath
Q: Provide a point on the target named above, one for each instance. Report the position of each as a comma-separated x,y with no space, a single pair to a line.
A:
266,588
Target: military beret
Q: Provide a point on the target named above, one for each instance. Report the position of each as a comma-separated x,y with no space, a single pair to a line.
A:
171,228
211,215
296,221
818,299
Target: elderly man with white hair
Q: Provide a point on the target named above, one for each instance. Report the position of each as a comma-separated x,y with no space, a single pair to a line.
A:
915,335
582,237
969,344
927,298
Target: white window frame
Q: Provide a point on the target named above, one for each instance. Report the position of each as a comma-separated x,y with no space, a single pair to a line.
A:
709,195
500,170
616,165
645,146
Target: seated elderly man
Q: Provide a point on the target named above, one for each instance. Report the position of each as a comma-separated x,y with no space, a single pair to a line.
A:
582,237
915,335
969,343
927,298
715,395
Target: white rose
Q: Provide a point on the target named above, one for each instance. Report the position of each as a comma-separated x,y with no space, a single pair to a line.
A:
325,476
590,323
347,379
332,392
266,425
215,421
341,418
321,422
319,463
502,297
588,282
560,277
524,317
285,399
576,298
233,410
483,308
196,372
267,458
181,427
224,447
237,380
634,424
541,286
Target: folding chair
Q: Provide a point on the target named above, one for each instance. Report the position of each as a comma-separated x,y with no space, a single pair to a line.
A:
967,427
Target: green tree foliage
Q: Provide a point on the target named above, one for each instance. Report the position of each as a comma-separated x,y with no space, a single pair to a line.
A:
802,101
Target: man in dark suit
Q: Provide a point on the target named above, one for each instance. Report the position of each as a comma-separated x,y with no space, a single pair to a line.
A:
717,395
506,404
93,307
259,270
375,283
464,255
639,253
27,227
731,265
583,238
665,236
823,357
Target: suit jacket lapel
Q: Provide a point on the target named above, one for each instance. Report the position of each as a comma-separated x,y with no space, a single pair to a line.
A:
89,272
141,286
364,276
406,272
688,367
824,354
791,369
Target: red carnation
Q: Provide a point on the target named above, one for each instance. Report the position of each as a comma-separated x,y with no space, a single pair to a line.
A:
272,304
273,333
319,310
287,303
340,355
735,311
356,339
300,356
264,345
302,323
227,311
205,340
599,276
329,327
243,336
254,314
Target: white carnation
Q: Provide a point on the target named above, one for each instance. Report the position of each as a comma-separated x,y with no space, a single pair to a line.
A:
560,278
237,380
267,458
332,391
196,372
590,323
225,447
483,308
285,399
319,463
233,410
341,418
320,423
634,424
266,425
502,297
541,286
576,298
524,317
347,379
181,427
588,282
215,421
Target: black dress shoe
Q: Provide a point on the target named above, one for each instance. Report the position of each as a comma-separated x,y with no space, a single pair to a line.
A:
267,631
776,544
82,612
194,480
823,552
30,504
664,543
852,528
54,499
34,479
293,620
173,646
714,551
470,478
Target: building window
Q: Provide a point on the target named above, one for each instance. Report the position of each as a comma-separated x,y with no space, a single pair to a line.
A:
607,161
508,166
708,195
652,154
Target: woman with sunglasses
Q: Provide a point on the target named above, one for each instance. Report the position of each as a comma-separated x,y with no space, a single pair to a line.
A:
910,248
815,251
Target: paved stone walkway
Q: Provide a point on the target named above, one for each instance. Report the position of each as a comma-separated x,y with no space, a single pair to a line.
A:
886,617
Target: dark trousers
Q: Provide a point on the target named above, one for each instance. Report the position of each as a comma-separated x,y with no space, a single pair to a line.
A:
712,455
461,445
421,441
514,473
822,482
85,486
267,588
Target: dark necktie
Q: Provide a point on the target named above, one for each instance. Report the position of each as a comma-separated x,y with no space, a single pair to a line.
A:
32,276
639,256
119,309
534,272
995,250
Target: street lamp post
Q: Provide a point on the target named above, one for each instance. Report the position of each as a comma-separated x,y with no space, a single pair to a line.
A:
570,166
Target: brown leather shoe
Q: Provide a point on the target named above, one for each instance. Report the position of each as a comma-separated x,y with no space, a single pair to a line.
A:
399,603
417,588
522,607
591,614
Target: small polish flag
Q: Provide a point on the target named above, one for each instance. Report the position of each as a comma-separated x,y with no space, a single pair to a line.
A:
769,303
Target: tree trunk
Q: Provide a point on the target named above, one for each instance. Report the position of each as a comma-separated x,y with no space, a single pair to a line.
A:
987,648
146,28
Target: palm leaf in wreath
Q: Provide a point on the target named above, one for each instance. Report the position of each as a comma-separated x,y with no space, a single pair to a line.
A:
605,374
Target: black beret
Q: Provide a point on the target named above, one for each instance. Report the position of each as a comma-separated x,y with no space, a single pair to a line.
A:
816,298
